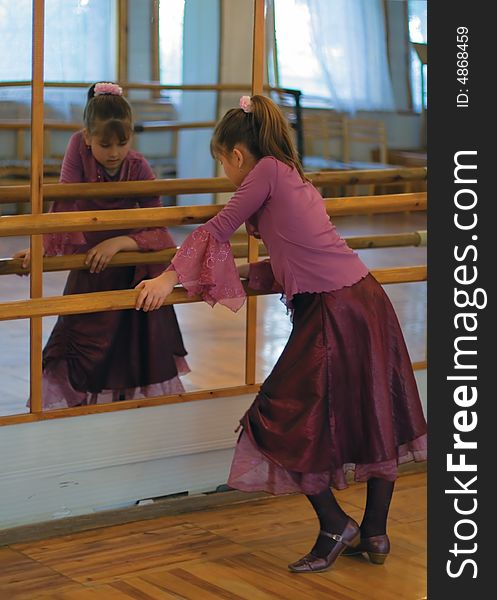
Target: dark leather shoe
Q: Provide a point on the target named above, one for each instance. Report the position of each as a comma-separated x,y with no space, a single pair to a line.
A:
309,563
377,548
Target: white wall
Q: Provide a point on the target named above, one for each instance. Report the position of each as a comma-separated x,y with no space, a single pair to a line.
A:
80,465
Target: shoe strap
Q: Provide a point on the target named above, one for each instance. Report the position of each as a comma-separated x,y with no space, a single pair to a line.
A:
335,536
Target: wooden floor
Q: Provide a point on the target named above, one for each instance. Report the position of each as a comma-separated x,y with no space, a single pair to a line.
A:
214,338
231,553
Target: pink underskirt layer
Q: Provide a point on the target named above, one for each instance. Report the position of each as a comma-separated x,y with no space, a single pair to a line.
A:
252,471
57,391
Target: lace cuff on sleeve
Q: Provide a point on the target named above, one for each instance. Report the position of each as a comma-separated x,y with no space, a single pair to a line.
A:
207,268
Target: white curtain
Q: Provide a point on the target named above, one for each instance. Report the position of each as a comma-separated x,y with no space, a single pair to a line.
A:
349,41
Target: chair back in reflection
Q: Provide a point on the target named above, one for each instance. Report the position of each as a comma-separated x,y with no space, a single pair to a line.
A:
332,139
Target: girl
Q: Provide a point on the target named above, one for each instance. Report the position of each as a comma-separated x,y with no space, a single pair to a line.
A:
342,395
115,355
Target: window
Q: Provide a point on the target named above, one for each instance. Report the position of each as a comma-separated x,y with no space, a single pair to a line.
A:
298,66
80,44
418,33
171,16
324,47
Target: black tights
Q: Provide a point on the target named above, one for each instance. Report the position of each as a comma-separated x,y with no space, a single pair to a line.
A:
379,495
333,520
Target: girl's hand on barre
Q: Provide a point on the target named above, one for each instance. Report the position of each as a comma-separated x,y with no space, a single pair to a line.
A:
26,259
99,256
153,292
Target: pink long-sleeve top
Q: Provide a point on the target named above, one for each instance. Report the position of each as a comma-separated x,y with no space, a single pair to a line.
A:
79,166
306,252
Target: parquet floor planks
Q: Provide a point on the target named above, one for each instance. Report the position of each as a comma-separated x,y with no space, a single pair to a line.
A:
234,552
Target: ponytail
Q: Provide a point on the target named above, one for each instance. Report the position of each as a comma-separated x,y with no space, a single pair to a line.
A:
261,126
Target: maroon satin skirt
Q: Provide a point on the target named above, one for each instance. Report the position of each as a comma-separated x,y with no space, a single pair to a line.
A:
342,395
114,350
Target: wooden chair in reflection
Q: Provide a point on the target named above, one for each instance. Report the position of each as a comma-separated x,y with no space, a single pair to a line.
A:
331,141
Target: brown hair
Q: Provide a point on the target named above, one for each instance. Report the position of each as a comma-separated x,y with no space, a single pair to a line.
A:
264,131
108,115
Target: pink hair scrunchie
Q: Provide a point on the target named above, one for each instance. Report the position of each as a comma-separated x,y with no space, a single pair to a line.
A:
246,104
107,88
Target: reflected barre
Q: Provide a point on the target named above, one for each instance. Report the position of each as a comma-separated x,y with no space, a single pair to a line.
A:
172,187
11,266
103,220
139,127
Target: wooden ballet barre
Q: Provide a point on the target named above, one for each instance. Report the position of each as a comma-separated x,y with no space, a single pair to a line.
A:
172,187
102,220
89,409
388,203
140,127
171,125
26,124
128,189
206,87
368,176
129,85
363,242
124,299
106,220
13,266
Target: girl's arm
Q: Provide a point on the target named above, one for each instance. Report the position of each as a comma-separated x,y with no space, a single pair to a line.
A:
100,255
260,277
204,263
254,191
71,172
155,238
